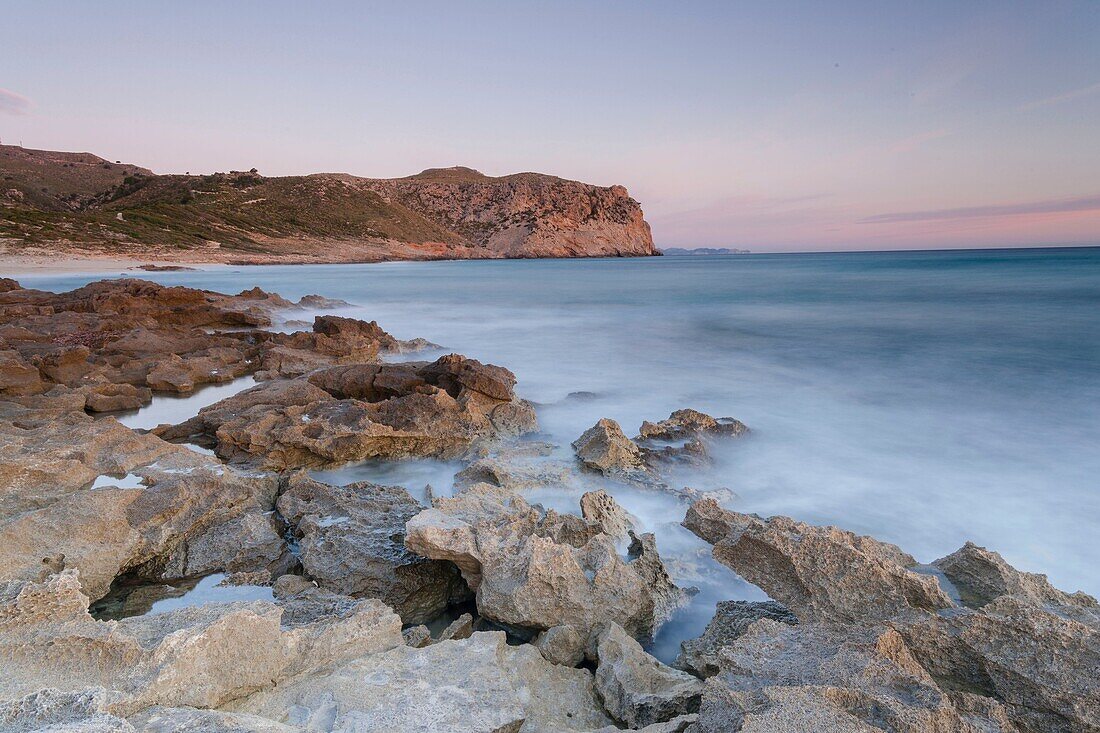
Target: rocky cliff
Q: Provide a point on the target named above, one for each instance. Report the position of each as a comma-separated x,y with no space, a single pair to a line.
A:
78,202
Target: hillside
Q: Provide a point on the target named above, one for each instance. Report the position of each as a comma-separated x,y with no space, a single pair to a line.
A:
78,202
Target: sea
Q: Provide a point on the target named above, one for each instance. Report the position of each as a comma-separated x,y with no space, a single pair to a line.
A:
926,398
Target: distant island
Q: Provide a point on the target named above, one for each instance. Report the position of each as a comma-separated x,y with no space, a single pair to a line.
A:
680,251
82,205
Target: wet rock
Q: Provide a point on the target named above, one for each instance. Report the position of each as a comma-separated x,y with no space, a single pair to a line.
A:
456,373
251,543
604,447
731,620
562,645
636,689
477,684
688,423
399,412
982,576
351,540
819,573
115,397
461,628
540,570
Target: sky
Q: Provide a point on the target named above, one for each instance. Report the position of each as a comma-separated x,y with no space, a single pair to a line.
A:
785,126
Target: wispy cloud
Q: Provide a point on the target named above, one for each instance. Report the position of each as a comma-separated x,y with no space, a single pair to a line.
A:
913,142
1050,206
14,104
1059,98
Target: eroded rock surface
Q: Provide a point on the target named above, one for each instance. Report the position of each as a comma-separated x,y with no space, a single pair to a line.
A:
819,573
636,689
731,620
351,540
341,414
538,569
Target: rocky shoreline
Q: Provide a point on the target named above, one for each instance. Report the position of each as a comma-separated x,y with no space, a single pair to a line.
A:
478,611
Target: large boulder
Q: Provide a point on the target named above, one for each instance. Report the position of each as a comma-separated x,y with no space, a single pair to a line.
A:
351,540
48,509
604,447
477,684
851,678
356,412
537,569
636,689
819,573
200,656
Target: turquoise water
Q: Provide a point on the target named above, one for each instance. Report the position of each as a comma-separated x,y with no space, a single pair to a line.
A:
926,398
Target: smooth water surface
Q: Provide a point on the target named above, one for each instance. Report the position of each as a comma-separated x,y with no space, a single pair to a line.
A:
926,398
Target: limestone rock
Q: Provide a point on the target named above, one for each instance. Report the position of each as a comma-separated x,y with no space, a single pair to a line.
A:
198,656
351,540
600,508
635,688
476,684
982,576
562,645
731,620
536,570
819,573
829,677
364,411
604,447
47,509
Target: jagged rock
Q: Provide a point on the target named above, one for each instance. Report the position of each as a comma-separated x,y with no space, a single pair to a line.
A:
249,544
819,573
1041,665
115,397
731,620
402,410
679,724
461,628
50,710
600,508
17,377
47,509
830,677
562,645
687,423
198,656
635,688
982,576
604,447
477,684
351,540
537,570
417,636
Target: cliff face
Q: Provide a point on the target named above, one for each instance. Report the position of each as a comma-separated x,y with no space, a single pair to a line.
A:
78,202
527,214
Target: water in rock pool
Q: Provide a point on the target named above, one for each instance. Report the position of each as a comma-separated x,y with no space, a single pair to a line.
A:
925,398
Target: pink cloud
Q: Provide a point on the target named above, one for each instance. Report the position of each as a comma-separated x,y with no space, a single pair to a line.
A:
14,104
1050,206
